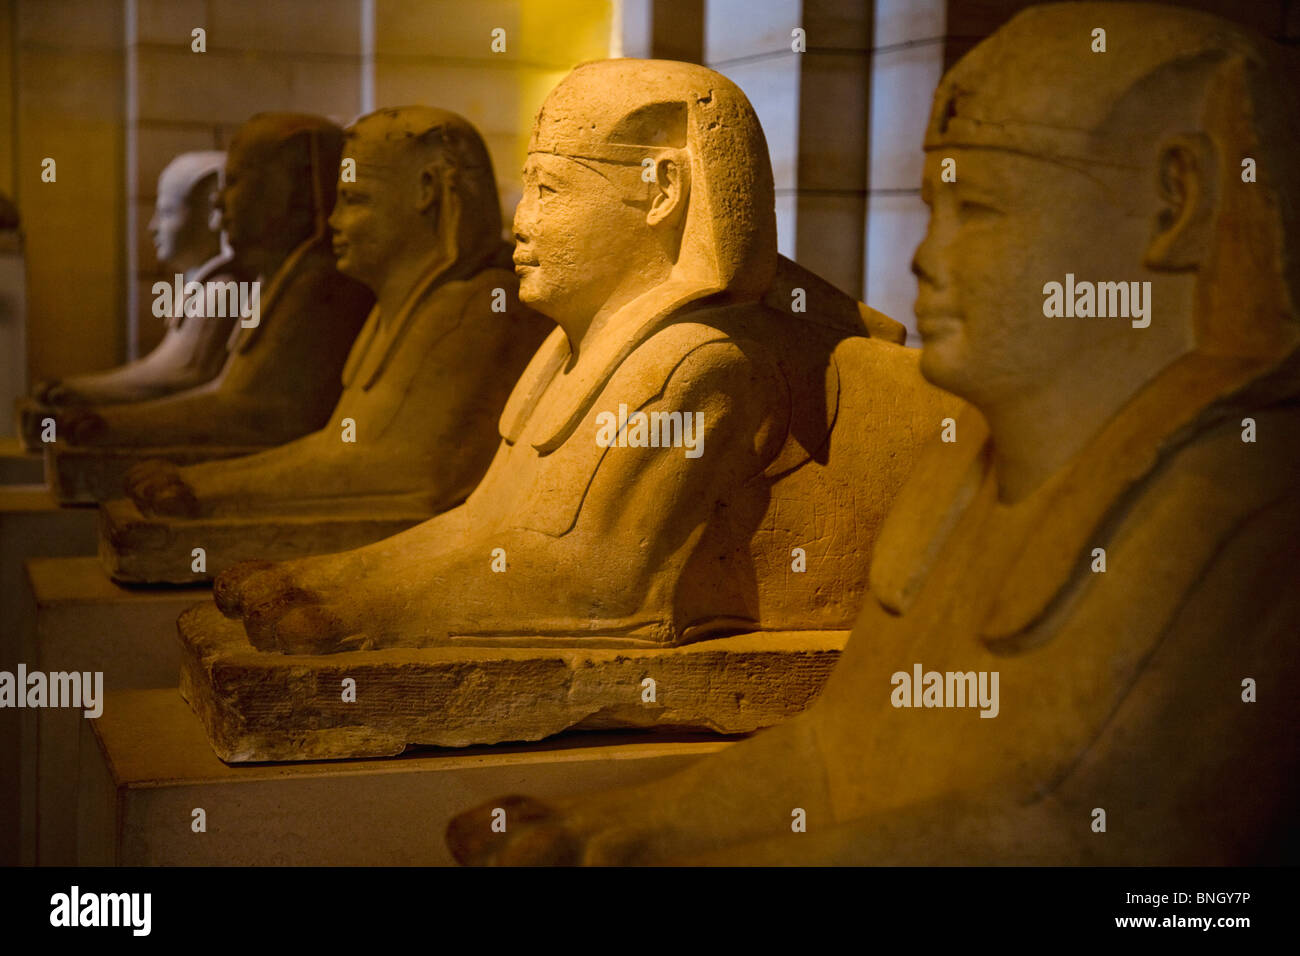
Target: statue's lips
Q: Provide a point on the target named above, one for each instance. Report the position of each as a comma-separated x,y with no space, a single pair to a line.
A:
931,325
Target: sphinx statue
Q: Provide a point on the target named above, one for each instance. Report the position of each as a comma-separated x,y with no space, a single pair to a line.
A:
283,375
679,481
191,350
1072,603
419,225
297,321
657,455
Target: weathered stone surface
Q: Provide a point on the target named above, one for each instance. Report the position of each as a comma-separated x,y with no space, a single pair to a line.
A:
256,706
77,475
140,549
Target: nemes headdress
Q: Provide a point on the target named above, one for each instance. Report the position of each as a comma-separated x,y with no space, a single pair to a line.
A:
312,147
403,139
627,110
189,169
395,145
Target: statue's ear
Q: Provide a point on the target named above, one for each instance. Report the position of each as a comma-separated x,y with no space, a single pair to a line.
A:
429,190
1187,185
669,192
204,192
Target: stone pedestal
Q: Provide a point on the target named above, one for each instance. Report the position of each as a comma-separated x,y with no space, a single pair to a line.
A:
147,550
19,466
84,622
265,706
28,417
85,475
31,525
147,769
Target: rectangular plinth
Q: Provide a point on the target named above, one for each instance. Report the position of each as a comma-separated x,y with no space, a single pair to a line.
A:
18,466
87,475
28,417
86,623
145,550
31,525
149,769
267,706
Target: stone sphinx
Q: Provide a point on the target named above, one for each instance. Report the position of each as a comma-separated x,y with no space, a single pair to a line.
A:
192,350
420,225
677,462
1115,536
282,378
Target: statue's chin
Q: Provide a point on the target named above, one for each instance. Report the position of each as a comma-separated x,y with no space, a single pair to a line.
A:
533,294
939,366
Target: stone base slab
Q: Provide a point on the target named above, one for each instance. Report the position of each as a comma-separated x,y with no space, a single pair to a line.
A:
31,525
18,466
89,474
259,706
147,768
28,415
137,549
84,622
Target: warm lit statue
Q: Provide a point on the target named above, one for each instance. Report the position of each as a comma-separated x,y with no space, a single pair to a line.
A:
418,222
679,434
191,350
1115,539
282,377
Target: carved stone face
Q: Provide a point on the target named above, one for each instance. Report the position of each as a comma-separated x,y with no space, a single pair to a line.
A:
254,199
1009,224
182,221
579,228
374,216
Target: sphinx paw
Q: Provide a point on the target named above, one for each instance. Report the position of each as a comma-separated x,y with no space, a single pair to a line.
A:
82,426
157,488
228,588
304,626
44,392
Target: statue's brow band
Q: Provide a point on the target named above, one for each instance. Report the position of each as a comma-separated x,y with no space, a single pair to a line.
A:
604,152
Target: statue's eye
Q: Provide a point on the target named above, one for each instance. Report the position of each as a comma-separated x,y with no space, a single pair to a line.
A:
544,189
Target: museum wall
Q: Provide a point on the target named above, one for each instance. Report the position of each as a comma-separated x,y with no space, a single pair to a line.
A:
68,105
